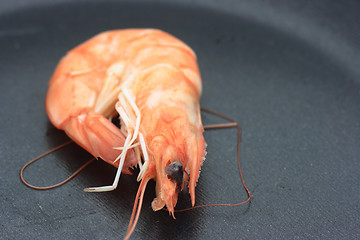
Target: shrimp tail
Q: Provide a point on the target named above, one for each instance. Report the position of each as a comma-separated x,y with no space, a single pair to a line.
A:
99,137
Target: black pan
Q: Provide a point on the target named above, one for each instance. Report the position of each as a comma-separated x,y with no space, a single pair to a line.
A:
288,73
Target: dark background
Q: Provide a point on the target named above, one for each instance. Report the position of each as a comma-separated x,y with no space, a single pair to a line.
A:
288,72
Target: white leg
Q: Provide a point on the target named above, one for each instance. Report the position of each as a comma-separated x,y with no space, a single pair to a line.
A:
132,146
137,113
146,157
123,116
128,144
118,172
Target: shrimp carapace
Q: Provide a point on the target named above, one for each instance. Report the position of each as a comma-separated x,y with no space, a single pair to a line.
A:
151,79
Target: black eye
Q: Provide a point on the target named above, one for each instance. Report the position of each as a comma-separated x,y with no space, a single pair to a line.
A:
175,172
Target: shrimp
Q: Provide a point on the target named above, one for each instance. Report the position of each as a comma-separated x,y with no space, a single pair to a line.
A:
152,81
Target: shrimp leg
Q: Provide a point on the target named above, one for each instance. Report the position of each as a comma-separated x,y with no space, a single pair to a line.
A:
118,172
146,158
130,138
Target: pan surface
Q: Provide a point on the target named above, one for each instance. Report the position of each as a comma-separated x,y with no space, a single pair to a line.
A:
293,86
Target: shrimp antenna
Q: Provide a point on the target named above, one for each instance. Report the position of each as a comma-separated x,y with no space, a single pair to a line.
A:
232,123
43,155
137,209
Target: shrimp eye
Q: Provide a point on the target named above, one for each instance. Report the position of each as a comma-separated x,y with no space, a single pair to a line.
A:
175,172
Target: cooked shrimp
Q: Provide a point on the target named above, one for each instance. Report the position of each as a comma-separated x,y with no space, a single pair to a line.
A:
151,79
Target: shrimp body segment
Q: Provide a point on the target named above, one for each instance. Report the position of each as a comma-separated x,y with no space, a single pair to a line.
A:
151,79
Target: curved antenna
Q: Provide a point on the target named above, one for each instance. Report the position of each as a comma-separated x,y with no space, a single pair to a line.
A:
137,209
43,155
232,123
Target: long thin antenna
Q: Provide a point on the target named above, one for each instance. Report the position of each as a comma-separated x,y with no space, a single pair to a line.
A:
43,155
232,123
